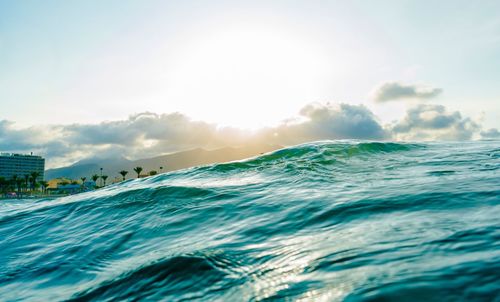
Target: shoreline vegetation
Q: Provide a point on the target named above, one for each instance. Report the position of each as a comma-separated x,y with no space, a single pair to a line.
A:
28,186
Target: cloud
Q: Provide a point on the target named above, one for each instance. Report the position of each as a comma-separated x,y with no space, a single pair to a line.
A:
12,138
149,134
434,122
139,136
324,121
490,133
174,128
395,91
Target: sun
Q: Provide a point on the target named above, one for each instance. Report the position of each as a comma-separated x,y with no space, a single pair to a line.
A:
245,77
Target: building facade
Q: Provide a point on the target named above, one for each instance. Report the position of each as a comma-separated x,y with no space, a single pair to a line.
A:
21,165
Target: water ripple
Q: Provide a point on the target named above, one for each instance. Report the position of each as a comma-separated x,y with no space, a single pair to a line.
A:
324,221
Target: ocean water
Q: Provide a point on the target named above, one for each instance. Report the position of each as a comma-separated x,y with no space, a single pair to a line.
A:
325,221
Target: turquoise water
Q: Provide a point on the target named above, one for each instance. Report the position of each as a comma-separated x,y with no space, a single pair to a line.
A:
326,221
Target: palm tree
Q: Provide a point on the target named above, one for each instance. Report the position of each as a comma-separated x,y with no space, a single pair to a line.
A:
26,181
95,177
161,169
11,183
19,183
123,173
44,185
138,170
34,176
104,177
24,188
3,184
14,180
83,181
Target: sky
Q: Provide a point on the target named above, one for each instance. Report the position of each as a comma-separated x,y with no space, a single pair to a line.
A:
398,70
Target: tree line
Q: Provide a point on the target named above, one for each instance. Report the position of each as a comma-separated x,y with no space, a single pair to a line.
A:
26,183
138,170
29,182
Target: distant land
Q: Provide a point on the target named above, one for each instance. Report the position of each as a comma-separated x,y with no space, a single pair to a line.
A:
169,162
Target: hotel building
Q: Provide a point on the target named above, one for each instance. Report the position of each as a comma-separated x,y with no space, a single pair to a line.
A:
20,165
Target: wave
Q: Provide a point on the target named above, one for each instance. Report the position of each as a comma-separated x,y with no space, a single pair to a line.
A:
331,220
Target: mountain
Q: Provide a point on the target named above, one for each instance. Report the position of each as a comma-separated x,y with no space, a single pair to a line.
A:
93,160
169,162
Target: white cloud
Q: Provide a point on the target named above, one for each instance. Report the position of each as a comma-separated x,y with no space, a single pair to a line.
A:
391,91
490,133
434,122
